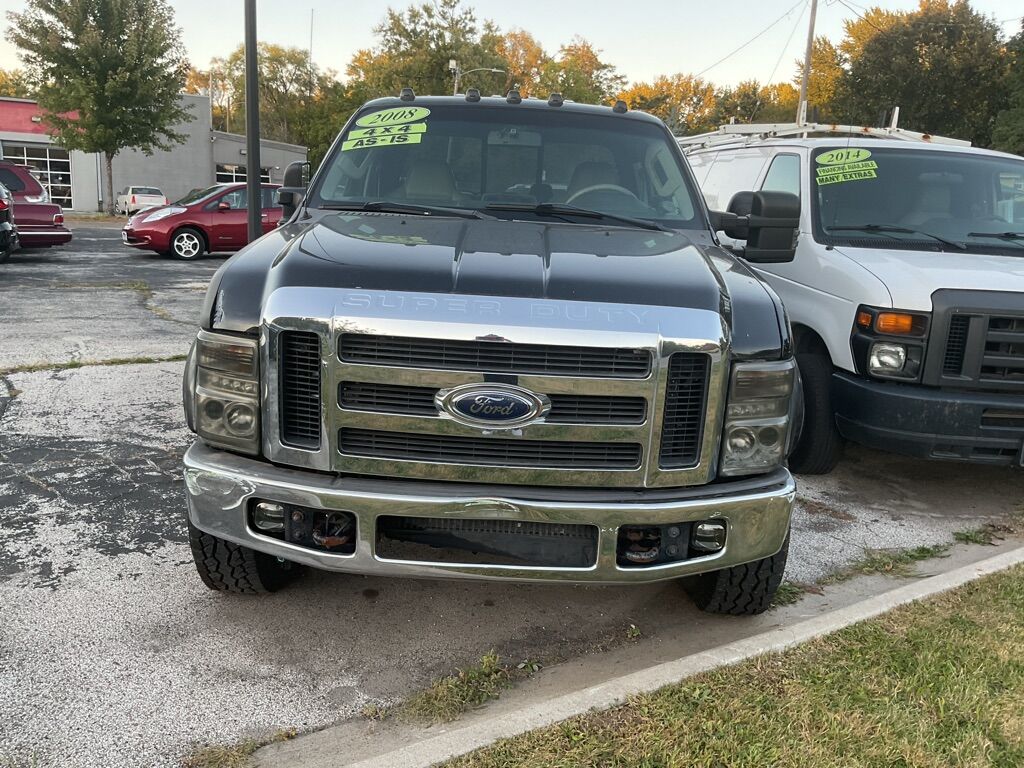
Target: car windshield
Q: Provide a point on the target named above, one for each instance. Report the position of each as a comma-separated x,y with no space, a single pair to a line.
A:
198,194
919,199
510,162
147,191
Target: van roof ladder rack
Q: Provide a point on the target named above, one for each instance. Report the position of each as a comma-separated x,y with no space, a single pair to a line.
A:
748,134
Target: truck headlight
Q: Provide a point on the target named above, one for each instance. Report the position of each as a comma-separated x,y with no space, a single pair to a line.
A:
887,359
757,418
225,400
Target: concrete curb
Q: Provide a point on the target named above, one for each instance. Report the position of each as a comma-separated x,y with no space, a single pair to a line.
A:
458,739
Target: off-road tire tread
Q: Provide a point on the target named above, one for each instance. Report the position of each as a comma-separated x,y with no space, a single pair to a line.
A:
228,567
742,590
820,446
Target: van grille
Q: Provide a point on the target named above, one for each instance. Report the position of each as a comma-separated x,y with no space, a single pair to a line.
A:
300,389
494,356
447,449
419,401
956,345
1003,360
683,424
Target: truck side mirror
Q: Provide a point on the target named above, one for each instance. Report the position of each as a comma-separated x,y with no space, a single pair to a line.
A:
296,179
768,221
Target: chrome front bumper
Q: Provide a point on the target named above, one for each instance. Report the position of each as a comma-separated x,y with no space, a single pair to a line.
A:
220,484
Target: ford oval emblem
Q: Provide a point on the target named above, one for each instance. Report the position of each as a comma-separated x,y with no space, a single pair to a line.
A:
498,406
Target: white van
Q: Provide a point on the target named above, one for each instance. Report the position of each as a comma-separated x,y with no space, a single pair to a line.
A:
906,295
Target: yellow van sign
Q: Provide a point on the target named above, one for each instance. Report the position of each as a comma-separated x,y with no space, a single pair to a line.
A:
393,116
843,156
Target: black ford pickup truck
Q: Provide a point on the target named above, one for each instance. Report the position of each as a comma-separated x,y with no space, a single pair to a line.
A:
497,338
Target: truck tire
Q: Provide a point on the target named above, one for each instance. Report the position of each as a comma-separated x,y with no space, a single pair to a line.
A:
742,590
228,567
820,445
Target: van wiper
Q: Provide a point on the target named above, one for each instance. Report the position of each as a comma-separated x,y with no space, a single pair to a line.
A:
557,209
384,206
1012,237
902,230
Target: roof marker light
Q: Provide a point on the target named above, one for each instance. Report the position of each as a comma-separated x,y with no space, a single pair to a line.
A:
555,100
514,97
620,107
473,94
407,94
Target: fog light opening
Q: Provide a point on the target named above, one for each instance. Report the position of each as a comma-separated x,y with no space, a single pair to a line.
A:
268,517
708,536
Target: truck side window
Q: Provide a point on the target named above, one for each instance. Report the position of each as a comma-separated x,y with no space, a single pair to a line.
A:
783,175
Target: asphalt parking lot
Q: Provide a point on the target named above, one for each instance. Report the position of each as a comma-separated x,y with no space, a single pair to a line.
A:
113,654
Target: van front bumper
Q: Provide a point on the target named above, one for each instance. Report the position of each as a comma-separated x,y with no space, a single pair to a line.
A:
221,487
915,420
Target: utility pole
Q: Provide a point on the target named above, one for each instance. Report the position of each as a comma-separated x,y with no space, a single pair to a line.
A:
252,124
801,110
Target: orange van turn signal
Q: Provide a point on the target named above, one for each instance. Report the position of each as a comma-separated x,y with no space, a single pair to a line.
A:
894,323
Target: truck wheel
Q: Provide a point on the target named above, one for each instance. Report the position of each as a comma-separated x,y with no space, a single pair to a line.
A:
820,445
187,244
743,590
229,567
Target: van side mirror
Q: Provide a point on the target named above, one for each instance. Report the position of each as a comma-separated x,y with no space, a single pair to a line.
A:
296,179
768,221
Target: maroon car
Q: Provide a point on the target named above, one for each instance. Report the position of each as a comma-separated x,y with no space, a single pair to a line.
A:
40,222
208,220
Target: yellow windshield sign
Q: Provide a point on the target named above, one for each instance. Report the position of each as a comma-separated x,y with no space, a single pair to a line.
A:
393,116
841,165
843,156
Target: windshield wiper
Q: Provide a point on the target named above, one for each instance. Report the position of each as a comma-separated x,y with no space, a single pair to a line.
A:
883,228
1011,237
383,206
557,209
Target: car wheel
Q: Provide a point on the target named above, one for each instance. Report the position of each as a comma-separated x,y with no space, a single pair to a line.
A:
117,210
742,590
820,445
228,567
187,244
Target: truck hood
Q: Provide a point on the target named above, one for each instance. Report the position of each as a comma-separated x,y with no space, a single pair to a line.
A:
913,276
534,260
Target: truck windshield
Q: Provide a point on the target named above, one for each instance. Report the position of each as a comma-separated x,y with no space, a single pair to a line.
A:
919,199
510,162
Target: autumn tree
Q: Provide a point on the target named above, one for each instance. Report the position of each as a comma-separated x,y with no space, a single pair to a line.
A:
579,73
107,73
944,66
1008,133
524,61
14,83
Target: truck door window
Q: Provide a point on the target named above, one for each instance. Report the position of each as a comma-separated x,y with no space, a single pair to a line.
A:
783,175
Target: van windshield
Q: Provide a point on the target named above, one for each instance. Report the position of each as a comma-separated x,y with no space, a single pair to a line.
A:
505,160
918,199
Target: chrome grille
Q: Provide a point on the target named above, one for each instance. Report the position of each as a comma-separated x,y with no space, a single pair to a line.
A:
500,452
683,421
494,356
300,389
419,401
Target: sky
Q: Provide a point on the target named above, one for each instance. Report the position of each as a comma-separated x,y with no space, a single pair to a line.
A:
641,38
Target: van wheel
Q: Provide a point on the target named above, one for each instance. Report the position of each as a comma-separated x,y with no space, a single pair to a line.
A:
742,590
187,244
820,445
228,567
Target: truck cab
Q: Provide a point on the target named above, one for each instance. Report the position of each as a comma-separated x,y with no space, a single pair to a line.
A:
906,295
497,338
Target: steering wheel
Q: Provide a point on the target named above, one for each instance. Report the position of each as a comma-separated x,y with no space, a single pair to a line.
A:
602,188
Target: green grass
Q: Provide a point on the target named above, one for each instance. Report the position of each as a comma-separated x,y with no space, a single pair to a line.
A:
237,755
935,683
887,562
34,367
450,696
788,593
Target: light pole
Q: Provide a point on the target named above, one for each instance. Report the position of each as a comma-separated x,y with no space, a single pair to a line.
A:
252,124
453,67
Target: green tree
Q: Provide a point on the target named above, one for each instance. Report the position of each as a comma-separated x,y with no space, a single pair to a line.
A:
827,73
1008,133
578,73
14,83
107,73
944,66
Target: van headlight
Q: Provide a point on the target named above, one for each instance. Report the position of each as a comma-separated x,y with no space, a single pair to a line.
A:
758,417
224,406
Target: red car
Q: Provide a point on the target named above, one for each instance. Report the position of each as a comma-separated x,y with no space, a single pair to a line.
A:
205,221
40,222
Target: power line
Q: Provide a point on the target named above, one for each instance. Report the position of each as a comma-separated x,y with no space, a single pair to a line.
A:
778,61
755,37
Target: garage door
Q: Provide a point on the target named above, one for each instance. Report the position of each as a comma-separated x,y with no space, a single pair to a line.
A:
52,165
